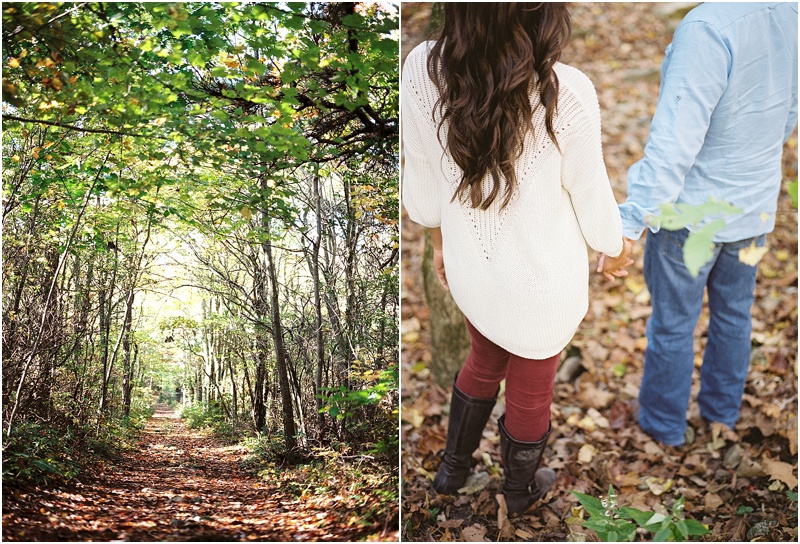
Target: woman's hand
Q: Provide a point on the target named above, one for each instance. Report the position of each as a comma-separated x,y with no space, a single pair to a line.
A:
614,267
438,258
438,266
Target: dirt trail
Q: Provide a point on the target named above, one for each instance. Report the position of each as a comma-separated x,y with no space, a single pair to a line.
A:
179,485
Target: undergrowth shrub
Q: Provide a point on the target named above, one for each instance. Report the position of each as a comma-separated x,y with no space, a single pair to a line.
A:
60,449
211,416
369,412
202,414
41,453
363,485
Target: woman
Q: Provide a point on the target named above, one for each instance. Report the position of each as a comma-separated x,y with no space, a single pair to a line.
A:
503,163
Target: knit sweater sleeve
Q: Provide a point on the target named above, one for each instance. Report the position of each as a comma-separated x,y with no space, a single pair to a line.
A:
421,189
583,172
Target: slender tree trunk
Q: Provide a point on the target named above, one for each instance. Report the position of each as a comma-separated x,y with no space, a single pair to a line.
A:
318,310
127,368
289,429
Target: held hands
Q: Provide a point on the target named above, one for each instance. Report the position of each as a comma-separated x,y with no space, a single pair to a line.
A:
614,267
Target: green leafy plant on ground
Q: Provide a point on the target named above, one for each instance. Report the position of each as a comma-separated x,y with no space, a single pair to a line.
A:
369,410
39,453
616,524
210,415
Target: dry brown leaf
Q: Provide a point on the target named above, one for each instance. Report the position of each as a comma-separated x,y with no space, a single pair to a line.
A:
593,397
778,470
750,469
474,533
712,501
791,435
503,524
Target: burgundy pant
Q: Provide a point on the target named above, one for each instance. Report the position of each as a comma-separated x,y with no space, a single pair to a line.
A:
529,385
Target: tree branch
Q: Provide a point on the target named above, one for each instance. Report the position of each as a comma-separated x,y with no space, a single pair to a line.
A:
80,129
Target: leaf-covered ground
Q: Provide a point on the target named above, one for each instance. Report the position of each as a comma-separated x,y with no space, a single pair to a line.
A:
737,482
184,485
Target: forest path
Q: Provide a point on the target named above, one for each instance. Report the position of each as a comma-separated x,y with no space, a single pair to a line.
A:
179,485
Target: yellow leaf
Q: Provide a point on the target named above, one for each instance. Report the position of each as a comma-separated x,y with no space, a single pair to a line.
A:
16,158
752,254
634,285
586,453
13,63
246,212
414,416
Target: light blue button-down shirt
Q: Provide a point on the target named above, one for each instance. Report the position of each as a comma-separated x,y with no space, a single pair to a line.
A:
727,104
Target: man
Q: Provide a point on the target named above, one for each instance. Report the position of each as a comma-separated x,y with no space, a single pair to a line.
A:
727,104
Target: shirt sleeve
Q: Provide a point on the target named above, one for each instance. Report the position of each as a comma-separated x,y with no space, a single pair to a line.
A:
421,190
584,176
694,77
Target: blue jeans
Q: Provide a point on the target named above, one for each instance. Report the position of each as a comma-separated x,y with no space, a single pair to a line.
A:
677,299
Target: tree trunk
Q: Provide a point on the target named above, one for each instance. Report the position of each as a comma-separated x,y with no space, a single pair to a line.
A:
318,310
127,366
289,430
450,340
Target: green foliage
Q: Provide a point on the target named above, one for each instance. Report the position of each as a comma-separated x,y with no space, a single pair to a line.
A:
614,524
43,453
269,449
793,192
705,218
381,429
203,415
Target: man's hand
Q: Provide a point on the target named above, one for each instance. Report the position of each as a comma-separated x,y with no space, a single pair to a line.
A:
614,267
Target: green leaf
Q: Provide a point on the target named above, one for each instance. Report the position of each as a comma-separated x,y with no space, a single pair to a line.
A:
640,517
695,528
663,535
656,518
698,248
592,505
45,466
683,531
793,192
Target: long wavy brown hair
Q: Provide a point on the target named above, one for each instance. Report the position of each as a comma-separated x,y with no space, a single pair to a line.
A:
485,65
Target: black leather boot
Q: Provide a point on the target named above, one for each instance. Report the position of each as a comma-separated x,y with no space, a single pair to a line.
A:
525,483
468,417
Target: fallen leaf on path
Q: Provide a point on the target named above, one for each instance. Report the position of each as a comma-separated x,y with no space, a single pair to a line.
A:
504,526
474,533
778,470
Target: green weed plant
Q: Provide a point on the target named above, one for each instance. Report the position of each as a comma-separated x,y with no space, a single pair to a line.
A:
613,523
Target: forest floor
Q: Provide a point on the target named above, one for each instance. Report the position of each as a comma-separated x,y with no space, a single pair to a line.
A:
182,485
740,483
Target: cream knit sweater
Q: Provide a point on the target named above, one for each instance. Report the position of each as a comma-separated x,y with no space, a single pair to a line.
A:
519,274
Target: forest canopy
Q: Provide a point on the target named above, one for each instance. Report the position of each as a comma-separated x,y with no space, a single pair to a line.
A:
200,208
